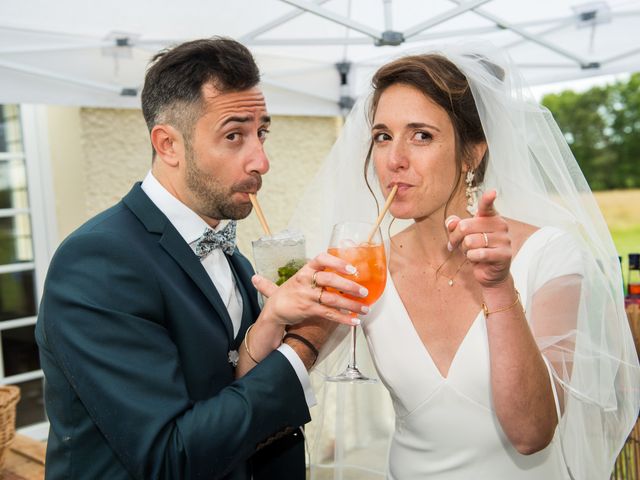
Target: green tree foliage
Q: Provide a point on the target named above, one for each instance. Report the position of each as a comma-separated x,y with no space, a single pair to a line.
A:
602,127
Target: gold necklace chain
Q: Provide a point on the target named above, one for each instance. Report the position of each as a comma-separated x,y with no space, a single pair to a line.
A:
450,279
437,270
451,282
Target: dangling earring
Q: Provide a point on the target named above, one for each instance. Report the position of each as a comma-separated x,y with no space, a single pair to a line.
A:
471,192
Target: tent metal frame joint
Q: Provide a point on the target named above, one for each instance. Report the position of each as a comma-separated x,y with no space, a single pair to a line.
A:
389,38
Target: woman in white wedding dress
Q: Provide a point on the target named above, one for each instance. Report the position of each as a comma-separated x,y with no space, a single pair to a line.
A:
501,336
481,403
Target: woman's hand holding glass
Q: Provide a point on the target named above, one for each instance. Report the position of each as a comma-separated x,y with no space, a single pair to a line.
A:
305,306
305,296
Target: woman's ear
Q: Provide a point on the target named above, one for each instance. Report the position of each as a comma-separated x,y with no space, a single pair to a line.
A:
478,152
168,144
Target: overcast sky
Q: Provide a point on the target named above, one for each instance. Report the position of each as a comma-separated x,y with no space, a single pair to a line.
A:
576,85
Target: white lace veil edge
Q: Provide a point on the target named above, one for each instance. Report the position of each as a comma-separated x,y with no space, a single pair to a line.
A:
538,182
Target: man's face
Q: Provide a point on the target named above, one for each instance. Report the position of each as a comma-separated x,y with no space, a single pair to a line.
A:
225,159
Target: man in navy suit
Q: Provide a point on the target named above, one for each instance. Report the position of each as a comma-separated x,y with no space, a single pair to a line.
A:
151,369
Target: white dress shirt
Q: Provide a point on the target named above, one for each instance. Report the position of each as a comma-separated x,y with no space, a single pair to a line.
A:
191,227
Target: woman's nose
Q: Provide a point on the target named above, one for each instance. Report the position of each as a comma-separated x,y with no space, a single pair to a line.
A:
398,158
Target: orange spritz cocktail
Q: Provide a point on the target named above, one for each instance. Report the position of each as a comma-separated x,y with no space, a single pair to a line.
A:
370,263
360,245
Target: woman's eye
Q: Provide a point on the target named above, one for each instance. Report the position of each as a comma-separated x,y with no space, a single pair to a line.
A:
423,136
380,137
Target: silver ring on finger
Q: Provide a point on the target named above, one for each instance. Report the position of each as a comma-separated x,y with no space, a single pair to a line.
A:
314,280
486,240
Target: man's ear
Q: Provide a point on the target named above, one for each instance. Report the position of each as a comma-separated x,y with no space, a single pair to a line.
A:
168,144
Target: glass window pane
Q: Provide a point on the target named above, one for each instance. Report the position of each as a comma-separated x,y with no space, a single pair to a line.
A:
15,239
13,184
19,350
10,130
30,408
17,295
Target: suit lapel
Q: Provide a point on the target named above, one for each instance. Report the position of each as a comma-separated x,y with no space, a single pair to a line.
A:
242,273
175,246
171,241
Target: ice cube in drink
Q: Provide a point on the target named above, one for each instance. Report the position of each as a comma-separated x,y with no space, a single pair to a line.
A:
279,256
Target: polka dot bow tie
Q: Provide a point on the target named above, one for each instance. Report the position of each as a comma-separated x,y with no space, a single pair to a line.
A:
210,240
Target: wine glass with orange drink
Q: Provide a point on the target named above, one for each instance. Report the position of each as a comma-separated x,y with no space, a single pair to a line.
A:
361,245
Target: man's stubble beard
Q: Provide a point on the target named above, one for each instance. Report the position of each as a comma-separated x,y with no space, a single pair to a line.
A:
212,199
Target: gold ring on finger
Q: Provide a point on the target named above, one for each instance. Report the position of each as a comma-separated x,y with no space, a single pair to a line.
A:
314,283
486,240
320,296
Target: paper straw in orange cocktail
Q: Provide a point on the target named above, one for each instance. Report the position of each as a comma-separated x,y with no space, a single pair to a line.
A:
256,207
387,204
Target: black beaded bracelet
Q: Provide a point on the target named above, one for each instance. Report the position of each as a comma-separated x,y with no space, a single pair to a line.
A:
300,338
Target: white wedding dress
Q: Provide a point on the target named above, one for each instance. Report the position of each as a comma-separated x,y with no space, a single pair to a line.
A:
446,428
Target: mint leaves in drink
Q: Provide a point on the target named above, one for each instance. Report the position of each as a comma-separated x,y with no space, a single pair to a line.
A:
289,270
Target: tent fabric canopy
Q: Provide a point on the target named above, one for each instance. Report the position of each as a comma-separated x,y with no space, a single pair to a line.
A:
315,55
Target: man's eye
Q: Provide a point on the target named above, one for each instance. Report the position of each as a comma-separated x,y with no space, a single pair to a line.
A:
262,134
232,136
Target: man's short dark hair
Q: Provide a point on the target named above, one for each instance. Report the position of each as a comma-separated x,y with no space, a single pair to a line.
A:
172,90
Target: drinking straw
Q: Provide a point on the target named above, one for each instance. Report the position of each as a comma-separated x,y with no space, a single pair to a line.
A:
387,204
256,207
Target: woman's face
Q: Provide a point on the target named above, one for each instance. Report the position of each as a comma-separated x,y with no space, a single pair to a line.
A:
414,147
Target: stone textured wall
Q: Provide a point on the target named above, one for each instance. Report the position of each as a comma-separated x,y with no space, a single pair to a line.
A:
116,153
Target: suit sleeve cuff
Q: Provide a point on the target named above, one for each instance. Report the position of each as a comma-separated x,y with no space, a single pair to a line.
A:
301,372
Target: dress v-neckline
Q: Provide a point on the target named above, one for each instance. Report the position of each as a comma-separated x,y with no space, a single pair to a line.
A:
414,332
408,322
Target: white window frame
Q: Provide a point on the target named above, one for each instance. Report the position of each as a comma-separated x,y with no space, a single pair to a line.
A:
44,232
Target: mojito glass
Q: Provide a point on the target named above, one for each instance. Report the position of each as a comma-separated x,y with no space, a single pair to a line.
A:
279,256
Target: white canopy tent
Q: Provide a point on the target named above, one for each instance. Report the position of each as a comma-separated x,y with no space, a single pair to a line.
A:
314,54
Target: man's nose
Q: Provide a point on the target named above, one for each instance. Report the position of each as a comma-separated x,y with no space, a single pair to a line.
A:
259,162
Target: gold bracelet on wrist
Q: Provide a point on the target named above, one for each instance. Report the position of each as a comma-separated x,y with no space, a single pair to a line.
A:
246,344
486,311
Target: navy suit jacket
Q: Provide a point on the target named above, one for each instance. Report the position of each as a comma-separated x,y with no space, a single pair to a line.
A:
134,342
